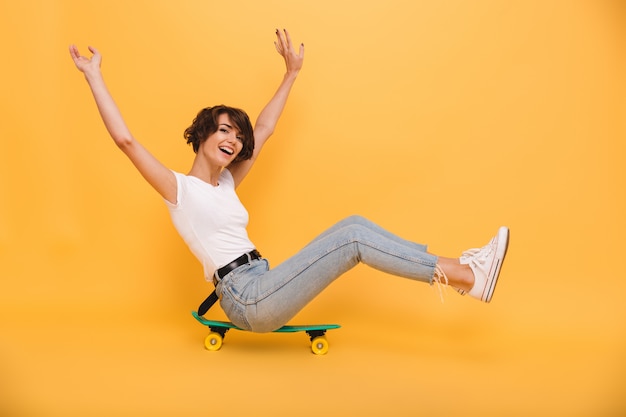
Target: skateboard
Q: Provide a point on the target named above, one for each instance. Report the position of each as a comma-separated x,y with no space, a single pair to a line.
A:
316,332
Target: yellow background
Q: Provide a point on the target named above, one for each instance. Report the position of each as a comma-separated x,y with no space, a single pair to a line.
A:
440,120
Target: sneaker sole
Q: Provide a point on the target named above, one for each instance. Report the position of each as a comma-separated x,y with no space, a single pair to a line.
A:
497,266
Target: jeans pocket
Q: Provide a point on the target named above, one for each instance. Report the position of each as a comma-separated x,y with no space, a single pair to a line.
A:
238,291
235,311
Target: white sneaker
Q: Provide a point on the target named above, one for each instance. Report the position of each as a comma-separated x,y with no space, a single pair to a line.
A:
486,263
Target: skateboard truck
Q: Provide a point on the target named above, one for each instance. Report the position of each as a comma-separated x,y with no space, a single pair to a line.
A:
218,329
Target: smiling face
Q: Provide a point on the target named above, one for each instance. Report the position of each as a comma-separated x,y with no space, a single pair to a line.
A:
222,147
217,120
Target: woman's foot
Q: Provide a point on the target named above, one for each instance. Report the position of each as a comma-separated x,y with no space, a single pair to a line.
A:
486,263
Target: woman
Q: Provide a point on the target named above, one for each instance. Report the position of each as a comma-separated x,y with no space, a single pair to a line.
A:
210,218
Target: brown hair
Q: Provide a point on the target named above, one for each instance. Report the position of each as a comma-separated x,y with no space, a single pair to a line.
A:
205,124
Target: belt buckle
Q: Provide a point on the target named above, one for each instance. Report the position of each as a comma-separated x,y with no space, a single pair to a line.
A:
216,276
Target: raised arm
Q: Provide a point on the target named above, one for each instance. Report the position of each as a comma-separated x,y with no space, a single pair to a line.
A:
268,118
159,176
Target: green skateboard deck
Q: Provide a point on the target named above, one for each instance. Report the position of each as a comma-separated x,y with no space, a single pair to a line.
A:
316,332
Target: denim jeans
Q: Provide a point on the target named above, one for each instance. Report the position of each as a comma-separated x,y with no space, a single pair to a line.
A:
260,299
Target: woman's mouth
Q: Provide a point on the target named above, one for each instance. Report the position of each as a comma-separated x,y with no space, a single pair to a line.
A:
226,150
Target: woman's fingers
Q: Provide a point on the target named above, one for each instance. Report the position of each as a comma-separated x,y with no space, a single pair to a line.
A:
285,45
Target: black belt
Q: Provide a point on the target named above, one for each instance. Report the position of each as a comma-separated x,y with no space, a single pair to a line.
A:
244,259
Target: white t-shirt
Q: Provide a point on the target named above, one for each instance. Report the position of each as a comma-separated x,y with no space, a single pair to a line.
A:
211,220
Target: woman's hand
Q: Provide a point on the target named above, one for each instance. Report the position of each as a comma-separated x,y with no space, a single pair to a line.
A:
285,48
157,175
84,64
268,118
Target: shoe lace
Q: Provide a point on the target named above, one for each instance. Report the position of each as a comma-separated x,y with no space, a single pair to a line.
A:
470,253
441,279
478,254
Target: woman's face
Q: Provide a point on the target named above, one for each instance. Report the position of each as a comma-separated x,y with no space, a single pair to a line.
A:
223,146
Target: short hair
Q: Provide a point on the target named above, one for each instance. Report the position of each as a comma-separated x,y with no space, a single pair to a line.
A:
206,123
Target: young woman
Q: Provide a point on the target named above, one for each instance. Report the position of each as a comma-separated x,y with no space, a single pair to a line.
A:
212,221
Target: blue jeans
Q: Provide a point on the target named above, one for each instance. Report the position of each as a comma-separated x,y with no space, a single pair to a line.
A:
260,299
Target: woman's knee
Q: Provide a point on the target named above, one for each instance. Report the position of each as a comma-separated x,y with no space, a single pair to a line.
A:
355,219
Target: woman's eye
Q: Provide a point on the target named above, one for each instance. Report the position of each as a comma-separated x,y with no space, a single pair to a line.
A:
223,130
240,138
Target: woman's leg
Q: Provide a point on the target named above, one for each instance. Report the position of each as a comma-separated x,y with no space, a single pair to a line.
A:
275,297
458,276
360,220
263,300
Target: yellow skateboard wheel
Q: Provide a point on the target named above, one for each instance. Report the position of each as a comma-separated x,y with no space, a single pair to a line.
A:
319,345
213,341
